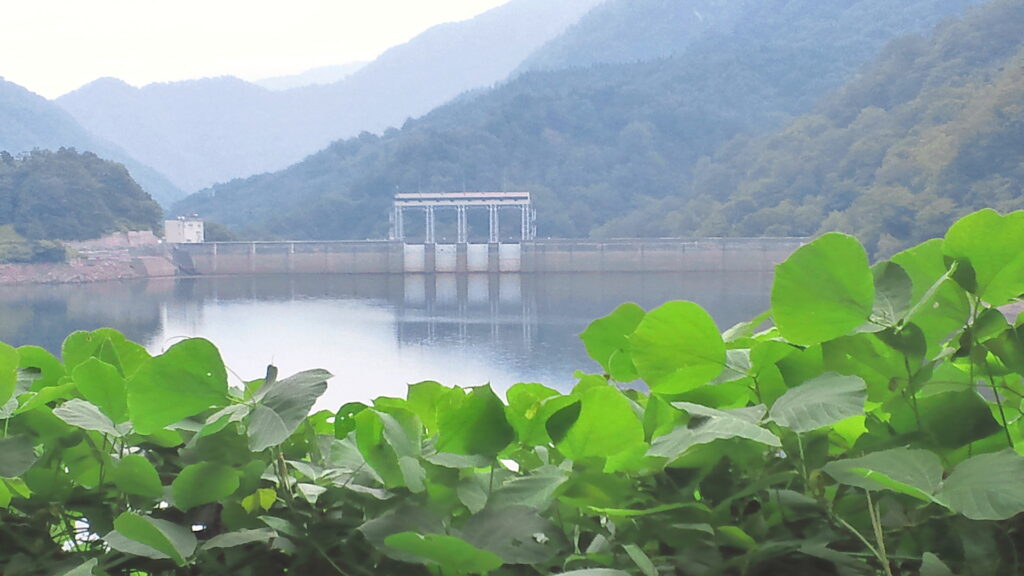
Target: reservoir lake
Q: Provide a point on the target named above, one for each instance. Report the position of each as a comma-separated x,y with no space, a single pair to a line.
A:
376,334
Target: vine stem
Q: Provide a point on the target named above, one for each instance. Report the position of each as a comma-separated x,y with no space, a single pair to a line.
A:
876,524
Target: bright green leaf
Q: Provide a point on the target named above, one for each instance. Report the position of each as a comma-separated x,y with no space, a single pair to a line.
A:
823,291
184,381
607,341
991,244
606,426
101,384
476,426
677,347
10,360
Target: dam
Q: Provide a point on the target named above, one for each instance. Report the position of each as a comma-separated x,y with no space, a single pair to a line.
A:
533,256
429,252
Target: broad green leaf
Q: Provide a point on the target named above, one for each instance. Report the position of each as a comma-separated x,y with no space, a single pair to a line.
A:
931,565
594,572
202,483
940,307
10,360
536,490
677,347
528,410
606,426
404,518
428,399
607,341
517,534
991,244
101,384
108,345
708,425
450,553
823,291
46,368
282,407
85,415
17,454
916,473
345,418
136,475
166,538
986,487
476,426
820,402
893,291
83,569
375,450
947,419
240,538
184,381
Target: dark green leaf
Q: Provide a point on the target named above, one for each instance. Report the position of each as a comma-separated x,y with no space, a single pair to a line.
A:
202,483
820,402
169,539
476,426
136,475
450,553
17,454
986,487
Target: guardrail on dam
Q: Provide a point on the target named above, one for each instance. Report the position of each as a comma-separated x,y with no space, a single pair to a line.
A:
538,256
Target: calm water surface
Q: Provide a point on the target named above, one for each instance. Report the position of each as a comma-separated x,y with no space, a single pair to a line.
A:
375,333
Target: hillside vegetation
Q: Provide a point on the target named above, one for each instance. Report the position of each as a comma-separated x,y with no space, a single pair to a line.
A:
66,195
931,130
592,143
29,121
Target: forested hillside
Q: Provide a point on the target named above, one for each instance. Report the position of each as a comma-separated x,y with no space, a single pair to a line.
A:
66,195
932,130
591,143
204,131
29,121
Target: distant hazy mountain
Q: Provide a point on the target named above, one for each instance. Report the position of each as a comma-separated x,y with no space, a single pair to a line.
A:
595,144
316,76
29,121
205,131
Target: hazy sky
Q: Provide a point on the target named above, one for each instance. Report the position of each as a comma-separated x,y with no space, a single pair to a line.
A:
54,46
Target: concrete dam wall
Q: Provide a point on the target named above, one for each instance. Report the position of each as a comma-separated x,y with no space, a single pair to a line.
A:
539,256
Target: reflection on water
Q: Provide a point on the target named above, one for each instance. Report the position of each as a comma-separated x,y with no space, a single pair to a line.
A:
375,333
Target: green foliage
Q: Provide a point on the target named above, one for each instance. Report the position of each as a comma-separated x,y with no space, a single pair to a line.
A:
883,447
607,150
929,131
65,195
